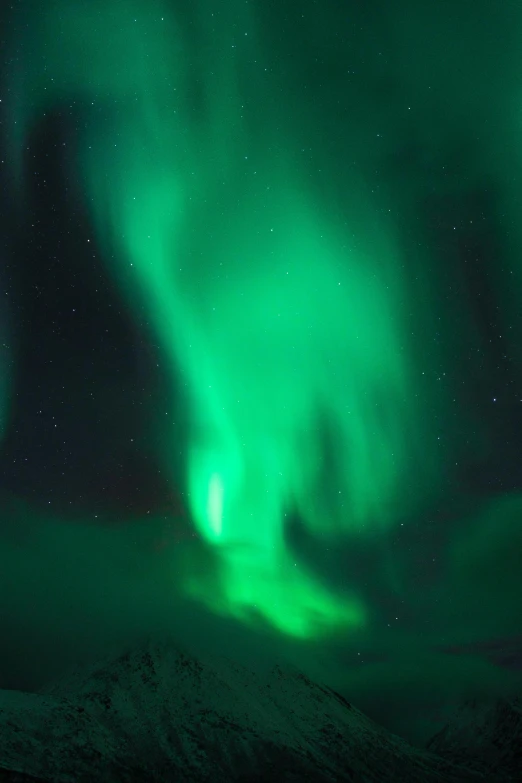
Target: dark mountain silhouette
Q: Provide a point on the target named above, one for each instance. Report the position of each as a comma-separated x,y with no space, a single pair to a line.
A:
159,714
485,737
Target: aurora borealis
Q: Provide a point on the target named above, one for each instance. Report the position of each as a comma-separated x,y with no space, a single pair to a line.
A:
261,372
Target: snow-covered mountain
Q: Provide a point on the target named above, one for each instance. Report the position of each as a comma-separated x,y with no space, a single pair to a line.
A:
159,714
486,737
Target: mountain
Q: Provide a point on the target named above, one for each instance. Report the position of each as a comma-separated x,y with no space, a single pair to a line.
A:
486,737
159,714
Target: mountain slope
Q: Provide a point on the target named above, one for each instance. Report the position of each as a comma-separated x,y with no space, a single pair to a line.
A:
160,714
485,737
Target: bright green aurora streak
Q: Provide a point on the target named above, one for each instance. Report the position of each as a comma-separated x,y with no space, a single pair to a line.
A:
290,322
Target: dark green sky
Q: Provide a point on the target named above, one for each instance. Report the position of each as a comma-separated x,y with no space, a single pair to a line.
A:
261,368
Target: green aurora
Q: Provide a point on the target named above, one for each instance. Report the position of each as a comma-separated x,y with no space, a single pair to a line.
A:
294,293
280,317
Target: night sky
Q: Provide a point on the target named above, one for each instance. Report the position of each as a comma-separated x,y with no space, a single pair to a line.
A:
261,340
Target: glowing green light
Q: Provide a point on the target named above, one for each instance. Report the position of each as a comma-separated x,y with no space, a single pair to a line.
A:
215,504
286,323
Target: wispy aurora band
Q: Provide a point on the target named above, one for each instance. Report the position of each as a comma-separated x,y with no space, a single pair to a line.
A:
286,324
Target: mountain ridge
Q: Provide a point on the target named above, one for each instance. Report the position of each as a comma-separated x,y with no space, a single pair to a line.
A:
484,736
159,713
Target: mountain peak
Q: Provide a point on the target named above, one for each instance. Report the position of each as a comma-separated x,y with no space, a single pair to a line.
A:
484,736
158,713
